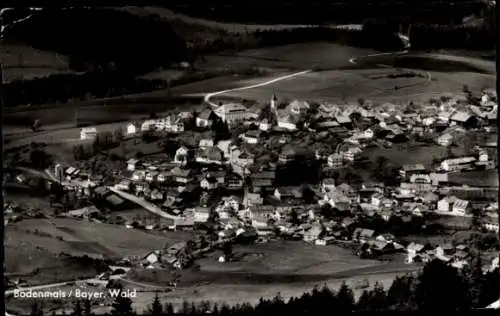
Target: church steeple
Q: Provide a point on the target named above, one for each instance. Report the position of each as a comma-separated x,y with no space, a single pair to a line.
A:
274,101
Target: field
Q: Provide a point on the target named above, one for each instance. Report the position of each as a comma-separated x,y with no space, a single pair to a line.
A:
36,243
22,62
476,178
263,270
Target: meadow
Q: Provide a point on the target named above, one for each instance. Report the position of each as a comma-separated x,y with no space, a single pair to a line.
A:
22,62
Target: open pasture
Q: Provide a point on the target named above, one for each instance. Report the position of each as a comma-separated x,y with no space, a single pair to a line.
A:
87,237
301,56
22,62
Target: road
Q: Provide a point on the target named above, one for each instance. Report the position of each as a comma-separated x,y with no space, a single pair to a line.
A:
48,286
212,94
146,205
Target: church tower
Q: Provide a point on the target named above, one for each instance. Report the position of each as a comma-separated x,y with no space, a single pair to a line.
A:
274,102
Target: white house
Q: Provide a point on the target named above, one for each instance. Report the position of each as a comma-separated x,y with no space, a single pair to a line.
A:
335,161
139,175
368,133
209,183
286,122
454,205
298,107
264,125
131,129
457,164
232,112
131,164
203,120
206,143
152,257
87,133
181,155
483,156
445,140
353,153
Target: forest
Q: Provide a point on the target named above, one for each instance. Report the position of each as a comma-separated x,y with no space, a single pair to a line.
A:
117,46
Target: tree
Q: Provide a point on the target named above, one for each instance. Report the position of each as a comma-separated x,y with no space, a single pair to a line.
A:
441,288
345,299
227,248
474,278
118,135
294,217
78,308
400,296
122,306
87,308
156,309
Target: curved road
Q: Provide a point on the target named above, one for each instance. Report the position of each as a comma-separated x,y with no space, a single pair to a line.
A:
212,94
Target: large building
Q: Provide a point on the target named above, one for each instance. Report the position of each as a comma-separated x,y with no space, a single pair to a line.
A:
232,113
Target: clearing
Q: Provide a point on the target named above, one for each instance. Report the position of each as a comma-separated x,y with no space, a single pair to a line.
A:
22,62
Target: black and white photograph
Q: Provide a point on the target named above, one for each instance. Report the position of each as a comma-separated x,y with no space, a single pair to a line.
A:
256,158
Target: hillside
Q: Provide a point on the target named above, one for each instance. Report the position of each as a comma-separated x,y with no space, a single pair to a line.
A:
100,39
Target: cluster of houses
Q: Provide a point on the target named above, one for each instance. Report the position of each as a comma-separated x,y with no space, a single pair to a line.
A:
217,181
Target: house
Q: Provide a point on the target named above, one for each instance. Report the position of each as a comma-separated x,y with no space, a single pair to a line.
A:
205,119
326,124
458,164
138,175
261,184
313,233
151,176
287,122
416,253
491,223
438,179
181,175
288,193
233,181
156,195
206,143
287,156
252,136
298,107
336,199
201,214
209,183
352,154
362,234
368,133
212,155
343,120
260,215
408,170
445,140
335,161
131,129
88,133
162,176
232,113
265,125
463,119
152,257
349,192
181,155
454,205
482,156
131,164
252,199
328,184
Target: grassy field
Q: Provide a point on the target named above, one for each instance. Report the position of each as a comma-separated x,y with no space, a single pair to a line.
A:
36,243
22,62
476,178
263,270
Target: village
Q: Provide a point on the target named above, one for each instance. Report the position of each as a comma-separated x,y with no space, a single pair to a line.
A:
235,174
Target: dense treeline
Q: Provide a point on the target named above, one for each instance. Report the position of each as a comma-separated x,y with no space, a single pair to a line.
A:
60,88
102,38
318,12
437,288
435,37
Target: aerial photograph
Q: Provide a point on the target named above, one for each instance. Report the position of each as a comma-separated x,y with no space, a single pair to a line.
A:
224,157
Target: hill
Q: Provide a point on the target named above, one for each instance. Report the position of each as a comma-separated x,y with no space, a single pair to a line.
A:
101,39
